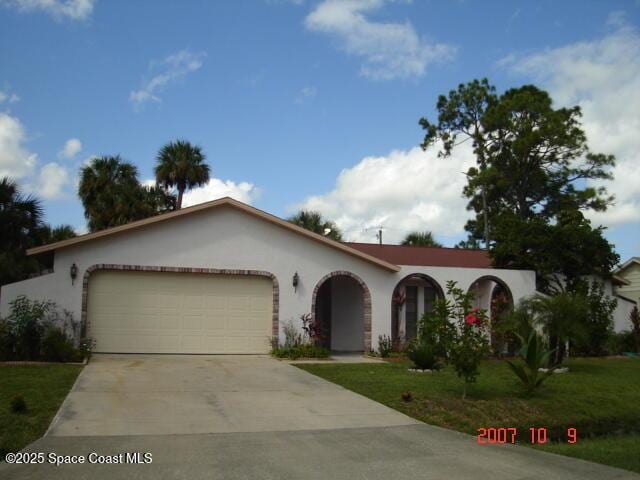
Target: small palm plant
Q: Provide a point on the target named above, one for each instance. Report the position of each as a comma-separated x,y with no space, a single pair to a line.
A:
535,357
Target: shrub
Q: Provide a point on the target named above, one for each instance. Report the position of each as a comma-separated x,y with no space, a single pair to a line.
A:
36,330
423,356
18,404
25,320
621,342
535,356
599,321
306,350
6,341
58,347
634,318
385,345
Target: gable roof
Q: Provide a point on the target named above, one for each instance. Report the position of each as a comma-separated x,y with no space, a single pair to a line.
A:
627,264
426,256
226,201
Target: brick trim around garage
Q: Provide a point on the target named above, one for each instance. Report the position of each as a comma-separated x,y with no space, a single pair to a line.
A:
275,323
366,301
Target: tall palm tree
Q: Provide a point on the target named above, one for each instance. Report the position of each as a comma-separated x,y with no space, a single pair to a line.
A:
181,165
20,219
420,239
110,192
313,221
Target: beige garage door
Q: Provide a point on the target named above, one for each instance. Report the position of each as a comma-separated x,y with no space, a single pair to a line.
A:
158,312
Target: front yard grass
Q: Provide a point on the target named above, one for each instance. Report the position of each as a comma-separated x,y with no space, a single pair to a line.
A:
598,397
620,451
43,387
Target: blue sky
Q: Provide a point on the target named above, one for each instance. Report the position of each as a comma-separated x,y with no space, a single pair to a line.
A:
305,103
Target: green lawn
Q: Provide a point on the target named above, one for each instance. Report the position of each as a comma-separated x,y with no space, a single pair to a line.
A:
621,452
598,397
44,387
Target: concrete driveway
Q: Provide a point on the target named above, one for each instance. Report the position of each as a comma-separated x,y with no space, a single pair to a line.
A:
249,417
186,394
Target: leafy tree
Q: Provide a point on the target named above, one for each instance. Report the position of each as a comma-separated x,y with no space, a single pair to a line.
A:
182,166
314,222
470,243
111,194
420,239
530,182
20,221
48,234
461,114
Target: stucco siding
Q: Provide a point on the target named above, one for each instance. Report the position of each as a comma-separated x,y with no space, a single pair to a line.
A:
226,238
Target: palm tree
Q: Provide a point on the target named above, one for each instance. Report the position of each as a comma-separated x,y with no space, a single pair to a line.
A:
420,239
313,221
181,165
20,219
563,317
111,194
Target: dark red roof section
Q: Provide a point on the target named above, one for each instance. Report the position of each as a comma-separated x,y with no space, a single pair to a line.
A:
425,256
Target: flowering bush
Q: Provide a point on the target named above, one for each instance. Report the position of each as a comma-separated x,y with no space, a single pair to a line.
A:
458,332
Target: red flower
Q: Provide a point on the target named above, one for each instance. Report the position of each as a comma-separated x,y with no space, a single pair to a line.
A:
471,319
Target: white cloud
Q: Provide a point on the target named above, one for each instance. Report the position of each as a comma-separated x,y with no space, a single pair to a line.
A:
307,93
52,180
58,9
405,190
170,70
71,148
389,50
603,77
15,160
216,188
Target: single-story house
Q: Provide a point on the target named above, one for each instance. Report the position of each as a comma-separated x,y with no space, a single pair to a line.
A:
225,277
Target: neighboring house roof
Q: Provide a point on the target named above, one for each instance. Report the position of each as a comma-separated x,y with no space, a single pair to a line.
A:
627,264
226,201
426,256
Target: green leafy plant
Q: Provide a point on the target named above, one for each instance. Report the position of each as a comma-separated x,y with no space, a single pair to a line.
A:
18,404
57,346
296,352
535,357
457,332
385,346
423,356
86,347
26,323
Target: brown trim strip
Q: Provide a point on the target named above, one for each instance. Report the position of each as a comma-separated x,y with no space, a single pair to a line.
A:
84,325
217,203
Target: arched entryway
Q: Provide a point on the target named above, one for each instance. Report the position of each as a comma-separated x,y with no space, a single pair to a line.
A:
341,302
493,295
412,297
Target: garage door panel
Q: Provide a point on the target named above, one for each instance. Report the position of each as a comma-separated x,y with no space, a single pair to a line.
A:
158,312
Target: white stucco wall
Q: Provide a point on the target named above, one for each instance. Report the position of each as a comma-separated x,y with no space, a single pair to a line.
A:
226,238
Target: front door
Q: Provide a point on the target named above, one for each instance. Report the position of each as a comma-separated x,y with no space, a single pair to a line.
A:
411,312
